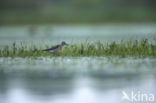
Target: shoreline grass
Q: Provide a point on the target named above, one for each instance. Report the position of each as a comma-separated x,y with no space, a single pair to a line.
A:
142,48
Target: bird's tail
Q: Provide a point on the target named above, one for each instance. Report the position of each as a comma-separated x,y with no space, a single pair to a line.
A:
45,50
35,50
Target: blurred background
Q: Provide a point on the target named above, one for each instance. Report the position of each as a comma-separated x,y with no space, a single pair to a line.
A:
76,11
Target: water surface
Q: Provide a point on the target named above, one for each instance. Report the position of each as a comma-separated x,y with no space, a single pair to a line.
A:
74,79
56,33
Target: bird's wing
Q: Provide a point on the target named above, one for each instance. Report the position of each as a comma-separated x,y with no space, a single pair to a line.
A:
52,48
55,47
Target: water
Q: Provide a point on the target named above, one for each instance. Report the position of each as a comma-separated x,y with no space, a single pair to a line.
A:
75,79
74,91
77,33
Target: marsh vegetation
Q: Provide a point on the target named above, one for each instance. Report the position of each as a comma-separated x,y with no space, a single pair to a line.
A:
136,48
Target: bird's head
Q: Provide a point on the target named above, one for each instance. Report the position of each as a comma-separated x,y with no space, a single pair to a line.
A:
64,43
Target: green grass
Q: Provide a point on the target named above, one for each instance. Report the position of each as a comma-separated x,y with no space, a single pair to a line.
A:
136,48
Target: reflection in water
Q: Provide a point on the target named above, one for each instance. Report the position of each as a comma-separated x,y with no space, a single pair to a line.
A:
74,80
82,89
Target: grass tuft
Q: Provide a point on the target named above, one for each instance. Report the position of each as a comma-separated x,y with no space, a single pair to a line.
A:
135,48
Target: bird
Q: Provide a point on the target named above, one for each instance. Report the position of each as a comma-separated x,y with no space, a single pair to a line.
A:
56,49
